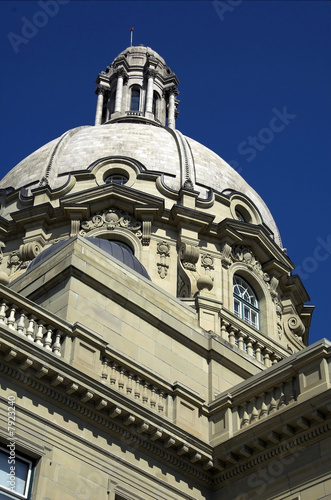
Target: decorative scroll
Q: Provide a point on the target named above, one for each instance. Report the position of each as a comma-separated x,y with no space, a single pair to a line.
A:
163,249
189,256
293,325
110,219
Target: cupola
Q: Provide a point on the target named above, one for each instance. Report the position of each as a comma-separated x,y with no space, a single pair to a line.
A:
138,85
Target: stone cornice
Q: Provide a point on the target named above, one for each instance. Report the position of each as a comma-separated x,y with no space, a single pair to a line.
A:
279,434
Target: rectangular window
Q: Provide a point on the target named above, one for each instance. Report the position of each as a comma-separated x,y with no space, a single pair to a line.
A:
15,475
237,308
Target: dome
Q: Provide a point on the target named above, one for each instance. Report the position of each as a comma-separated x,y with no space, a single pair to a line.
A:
157,148
115,250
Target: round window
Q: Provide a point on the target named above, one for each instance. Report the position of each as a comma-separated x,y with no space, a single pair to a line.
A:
120,179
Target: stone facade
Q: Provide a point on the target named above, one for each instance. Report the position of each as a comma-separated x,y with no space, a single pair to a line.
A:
192,380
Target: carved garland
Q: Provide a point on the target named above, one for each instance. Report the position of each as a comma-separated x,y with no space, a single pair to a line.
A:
111,219
163,249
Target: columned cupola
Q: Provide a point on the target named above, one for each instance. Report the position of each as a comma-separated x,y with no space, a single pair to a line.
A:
138,85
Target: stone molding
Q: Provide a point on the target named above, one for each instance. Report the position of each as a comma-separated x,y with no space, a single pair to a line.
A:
110,219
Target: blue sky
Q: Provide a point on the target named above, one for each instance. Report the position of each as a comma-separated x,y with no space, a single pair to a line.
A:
240,64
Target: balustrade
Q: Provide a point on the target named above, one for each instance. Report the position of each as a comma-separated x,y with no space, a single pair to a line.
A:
28,325
266,403
135,387
246,342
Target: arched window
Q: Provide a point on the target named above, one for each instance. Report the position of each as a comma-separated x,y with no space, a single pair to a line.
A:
135,98
245,303
155,104
112,103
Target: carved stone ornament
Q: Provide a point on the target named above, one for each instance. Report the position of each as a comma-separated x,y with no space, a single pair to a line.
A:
226,257
110,219
189,256
207,261
294,326
163,249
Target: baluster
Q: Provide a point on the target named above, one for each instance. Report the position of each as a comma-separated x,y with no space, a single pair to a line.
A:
57,343
104,370
282,401
240,341
232,336
11,317
153,397
48,338
266,354
21,323
224,333
258,348
255,413
264,408
39,334
273,404
249,347
3,307
121,379
30,329
129,384
160,405
113,374
137,390
245,418
145,392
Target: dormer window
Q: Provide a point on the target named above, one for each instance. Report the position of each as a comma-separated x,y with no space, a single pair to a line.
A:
245,303
135,99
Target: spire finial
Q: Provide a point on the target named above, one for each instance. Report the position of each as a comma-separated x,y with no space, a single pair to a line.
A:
131,31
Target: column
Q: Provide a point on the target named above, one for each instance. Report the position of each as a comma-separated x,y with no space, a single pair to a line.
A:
119,91
100,91
149,98
171,109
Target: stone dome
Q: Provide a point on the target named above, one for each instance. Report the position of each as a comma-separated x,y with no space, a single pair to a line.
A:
157,148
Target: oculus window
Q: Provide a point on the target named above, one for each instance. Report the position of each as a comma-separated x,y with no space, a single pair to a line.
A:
245,303
120,179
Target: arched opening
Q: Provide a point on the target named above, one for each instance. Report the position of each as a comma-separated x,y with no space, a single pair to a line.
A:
245,302
135,98
155,109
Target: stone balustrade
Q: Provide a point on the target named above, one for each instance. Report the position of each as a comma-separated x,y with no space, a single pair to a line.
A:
266,403
32,322
131,384
252,344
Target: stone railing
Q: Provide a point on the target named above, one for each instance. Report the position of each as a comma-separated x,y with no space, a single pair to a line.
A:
253,344
32,322
134,113
304,375
130,383
266,403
